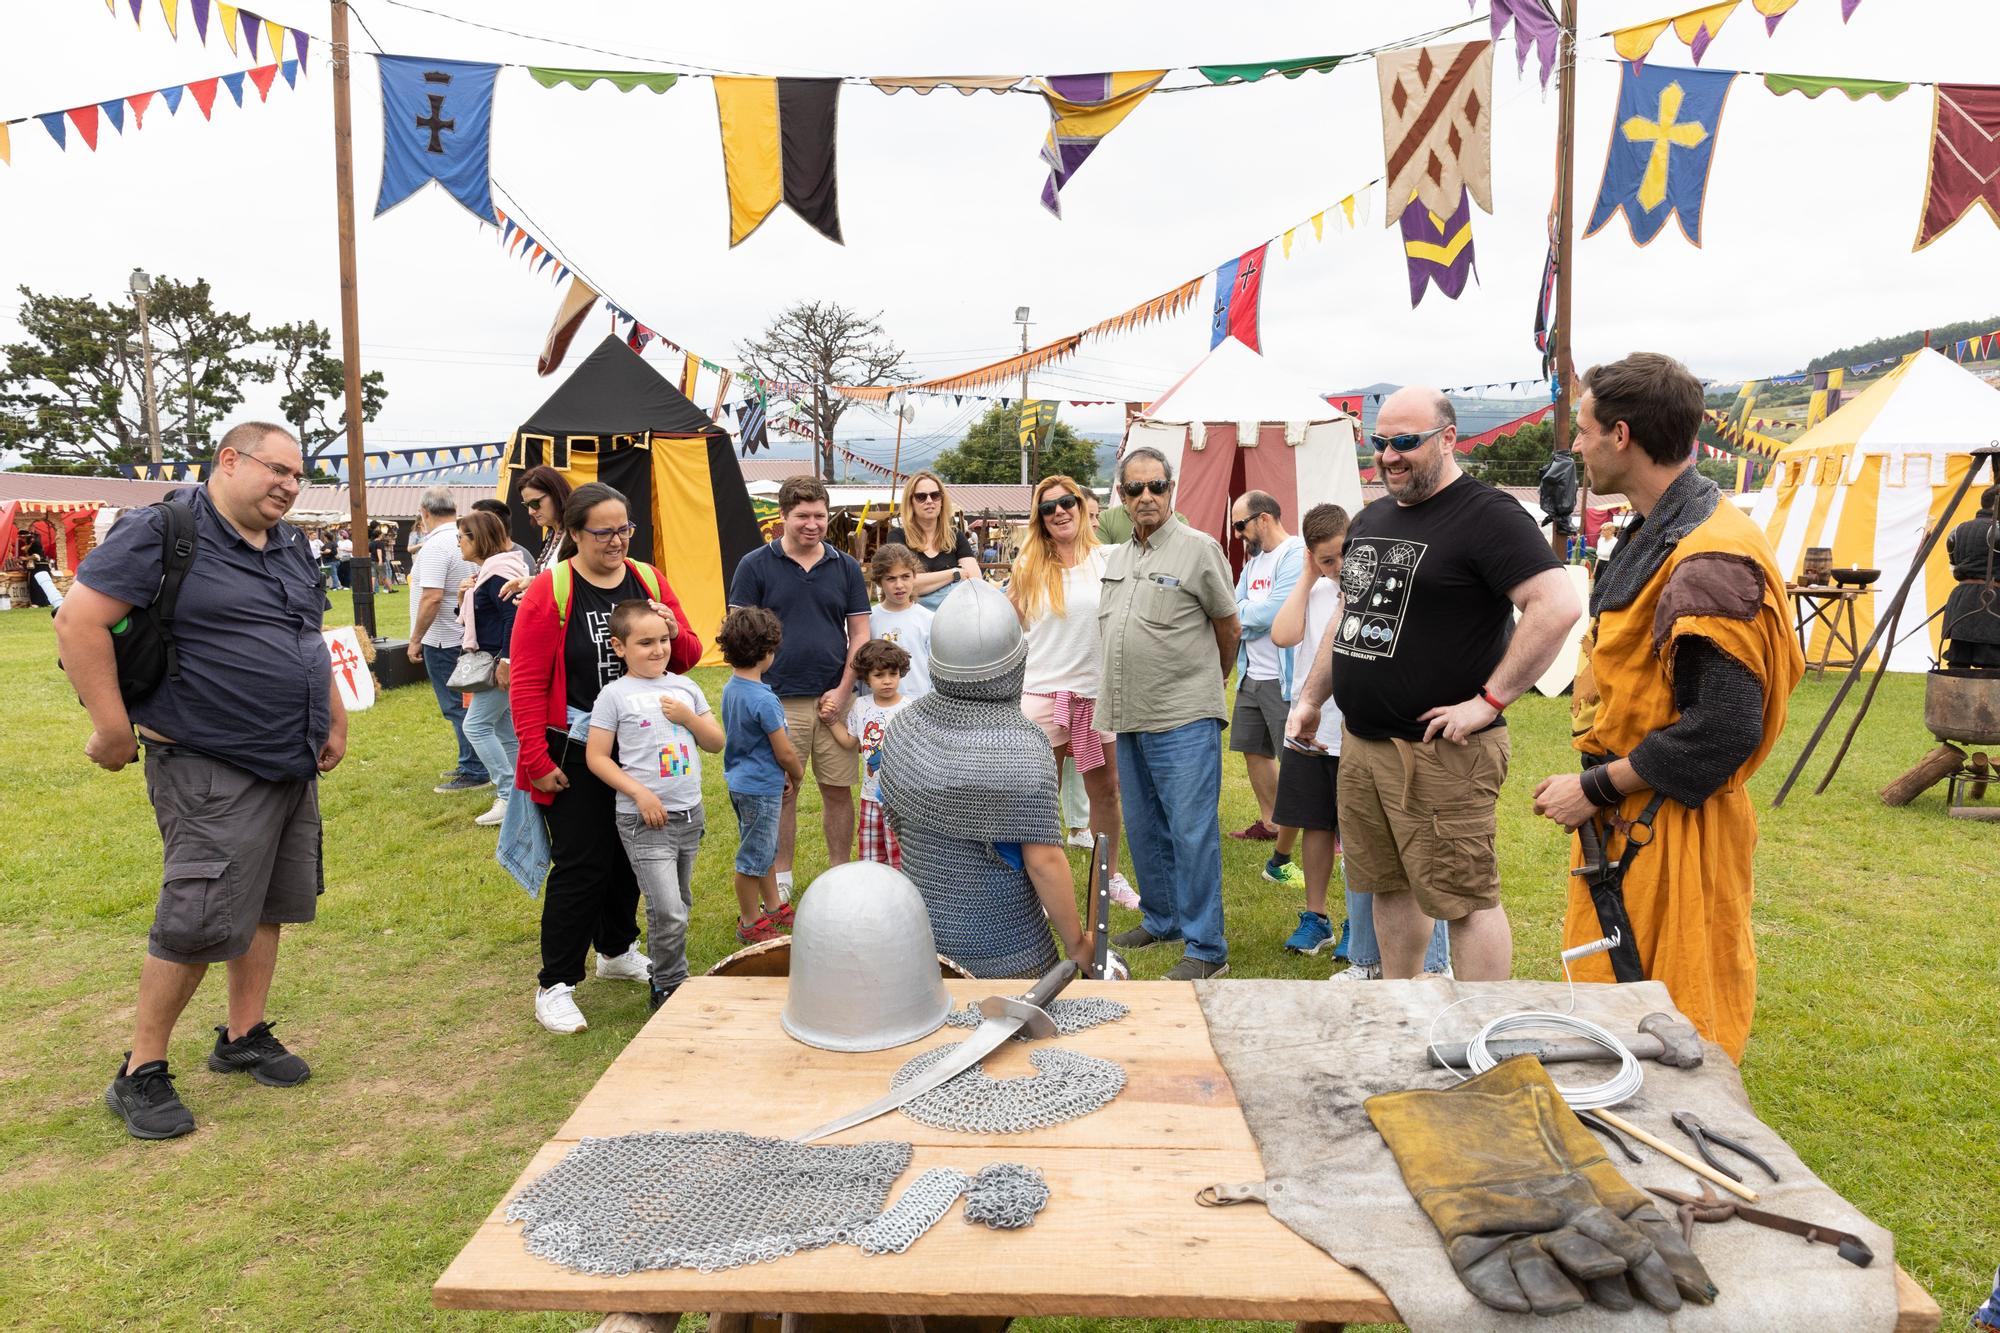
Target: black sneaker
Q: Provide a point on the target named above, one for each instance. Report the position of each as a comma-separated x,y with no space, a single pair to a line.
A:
144,1098
661,994
259,1052
1134,939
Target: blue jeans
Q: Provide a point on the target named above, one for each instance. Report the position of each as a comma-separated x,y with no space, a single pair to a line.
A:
438,665
1363,951
489,730
1170,784
756,831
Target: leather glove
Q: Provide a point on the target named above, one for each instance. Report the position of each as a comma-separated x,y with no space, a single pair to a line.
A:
1532,1214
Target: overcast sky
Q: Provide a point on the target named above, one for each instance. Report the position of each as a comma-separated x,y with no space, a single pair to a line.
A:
1812,205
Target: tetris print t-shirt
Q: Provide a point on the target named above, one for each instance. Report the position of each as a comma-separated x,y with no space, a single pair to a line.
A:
1427,617
660,755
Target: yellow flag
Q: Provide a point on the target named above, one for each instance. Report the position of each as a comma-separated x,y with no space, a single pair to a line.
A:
1634,43
752,161
226,16
1319,226
1288,242
274,41
1687,26
6,153
172,9
1347,207
690,368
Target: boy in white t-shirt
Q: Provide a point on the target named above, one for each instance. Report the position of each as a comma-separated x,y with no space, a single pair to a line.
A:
660,723
880,665
899,617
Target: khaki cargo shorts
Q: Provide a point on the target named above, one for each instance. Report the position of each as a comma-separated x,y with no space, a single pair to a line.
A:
1420,816
832,765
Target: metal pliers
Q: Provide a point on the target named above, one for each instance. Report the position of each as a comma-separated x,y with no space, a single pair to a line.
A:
1688,1123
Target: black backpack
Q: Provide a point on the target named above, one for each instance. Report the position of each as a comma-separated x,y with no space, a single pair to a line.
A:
143,641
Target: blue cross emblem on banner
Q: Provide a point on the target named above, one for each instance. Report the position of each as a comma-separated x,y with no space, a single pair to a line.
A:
437,124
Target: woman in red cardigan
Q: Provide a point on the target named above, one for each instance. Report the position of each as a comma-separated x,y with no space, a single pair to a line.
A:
560,658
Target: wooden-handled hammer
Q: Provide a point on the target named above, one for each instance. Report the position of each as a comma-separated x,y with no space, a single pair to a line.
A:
1662,1037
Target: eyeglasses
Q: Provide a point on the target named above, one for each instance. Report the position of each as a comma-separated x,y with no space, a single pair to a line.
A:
925,497
1238,525
292,475
1402,444
1134,489
1063,501
617,534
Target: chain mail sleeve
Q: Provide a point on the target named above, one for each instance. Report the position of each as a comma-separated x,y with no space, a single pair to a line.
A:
1721,723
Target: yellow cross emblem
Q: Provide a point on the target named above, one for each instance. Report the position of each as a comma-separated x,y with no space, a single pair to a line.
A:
1665,136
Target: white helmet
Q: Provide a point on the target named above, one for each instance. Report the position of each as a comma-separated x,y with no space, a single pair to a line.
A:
975,636
864,962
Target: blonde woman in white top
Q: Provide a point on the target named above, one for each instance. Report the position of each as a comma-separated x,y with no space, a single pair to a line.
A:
1054,589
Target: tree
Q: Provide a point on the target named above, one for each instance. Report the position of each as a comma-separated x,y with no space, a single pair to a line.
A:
810,348
1513,460
72,396
991,452
315,385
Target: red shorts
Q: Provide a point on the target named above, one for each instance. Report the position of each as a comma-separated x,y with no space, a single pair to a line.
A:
878,840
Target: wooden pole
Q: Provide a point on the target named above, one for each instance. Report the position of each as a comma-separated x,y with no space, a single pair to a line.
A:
360,575
1028,461
1565,249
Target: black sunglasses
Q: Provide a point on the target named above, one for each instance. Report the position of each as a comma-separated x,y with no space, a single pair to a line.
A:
917,496
1402,444
1238,525
1134,489
1063,501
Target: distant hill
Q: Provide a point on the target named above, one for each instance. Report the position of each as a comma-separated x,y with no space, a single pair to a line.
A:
1941,337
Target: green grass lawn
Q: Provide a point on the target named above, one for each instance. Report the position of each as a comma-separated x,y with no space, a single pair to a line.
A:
335,1205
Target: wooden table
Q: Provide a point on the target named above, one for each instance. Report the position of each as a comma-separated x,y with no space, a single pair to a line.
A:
1122,1235
1832,607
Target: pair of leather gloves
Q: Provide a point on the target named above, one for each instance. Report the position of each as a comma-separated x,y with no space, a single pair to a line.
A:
1533,1215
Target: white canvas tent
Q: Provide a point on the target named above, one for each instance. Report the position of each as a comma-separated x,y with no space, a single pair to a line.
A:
1870,479
1236,422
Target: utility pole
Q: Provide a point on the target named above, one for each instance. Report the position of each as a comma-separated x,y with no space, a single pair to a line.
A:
142,287
1021,318
1565,248
360,576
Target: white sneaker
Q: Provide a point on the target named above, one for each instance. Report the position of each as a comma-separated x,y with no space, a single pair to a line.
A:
495,814
1081,838
1359,972
628,966
784,886
1122,892
555,1009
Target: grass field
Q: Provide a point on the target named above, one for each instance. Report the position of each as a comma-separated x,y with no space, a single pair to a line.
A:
334,1206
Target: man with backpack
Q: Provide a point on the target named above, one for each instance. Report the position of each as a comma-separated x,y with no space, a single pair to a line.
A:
197,622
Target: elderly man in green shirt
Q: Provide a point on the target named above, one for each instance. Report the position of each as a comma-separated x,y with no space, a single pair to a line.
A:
1169,630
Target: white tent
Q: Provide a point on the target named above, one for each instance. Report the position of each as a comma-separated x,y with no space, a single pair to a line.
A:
1235,423
1872,478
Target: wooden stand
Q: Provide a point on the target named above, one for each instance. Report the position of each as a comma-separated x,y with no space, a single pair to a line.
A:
1938,765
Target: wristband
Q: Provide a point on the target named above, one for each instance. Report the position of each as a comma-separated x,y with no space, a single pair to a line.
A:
1598,788
1491,702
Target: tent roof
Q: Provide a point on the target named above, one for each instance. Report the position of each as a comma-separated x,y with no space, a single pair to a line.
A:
1929,404
1233,383
615,392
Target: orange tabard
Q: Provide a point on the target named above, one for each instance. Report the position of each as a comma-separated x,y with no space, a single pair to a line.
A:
1688,892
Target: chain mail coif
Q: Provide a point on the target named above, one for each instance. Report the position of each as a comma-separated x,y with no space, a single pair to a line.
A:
1070,1015
721,1200
1066,1085
962,770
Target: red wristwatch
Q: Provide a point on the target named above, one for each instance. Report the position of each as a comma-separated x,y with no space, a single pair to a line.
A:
1491,702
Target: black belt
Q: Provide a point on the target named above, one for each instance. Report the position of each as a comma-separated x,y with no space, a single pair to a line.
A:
1606,878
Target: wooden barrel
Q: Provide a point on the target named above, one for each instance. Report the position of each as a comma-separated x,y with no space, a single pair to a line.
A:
773,958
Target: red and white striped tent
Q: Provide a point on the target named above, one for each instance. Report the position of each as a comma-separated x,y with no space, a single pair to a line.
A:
1237,422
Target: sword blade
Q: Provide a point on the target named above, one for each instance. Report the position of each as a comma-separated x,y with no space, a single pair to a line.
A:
985,1039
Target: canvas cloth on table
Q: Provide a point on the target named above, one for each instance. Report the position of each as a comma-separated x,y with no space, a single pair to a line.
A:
1304,1056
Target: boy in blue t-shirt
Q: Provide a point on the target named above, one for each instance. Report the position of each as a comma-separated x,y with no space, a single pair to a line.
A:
760,766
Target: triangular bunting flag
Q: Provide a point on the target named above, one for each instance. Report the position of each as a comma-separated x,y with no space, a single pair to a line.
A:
274,40
576,304
139,102
778,147
6,146
1773,10
252,26
1662,143
114,111
234,83
291,70
172,10
137,5
85,120
172,97
1287,241
1319,226
264,76
1697,28
548,257
1347,209
201,19
437,124
300,39
1437,125
225,19
1083,108
203,92
1533,26
1847,8
1965,158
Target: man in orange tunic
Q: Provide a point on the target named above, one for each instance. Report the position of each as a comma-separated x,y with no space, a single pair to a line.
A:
1687,667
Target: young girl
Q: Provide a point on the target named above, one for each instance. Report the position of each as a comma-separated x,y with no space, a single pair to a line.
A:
881,665
489,625
899,617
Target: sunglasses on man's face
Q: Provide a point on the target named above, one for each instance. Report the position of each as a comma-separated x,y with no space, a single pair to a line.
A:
1134,489
1048,507
1402,444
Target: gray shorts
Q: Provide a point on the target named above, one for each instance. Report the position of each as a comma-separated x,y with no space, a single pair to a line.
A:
240,851
1259,724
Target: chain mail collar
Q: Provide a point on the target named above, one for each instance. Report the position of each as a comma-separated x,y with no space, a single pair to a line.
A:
1684,506
1070,1015
718,1200
1066,1085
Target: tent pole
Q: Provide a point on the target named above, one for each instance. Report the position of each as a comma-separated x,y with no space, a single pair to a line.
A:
360,572
1565,249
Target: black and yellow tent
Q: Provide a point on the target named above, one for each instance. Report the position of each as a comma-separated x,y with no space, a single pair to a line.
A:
619,421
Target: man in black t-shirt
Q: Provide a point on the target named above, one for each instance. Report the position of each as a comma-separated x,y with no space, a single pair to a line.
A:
1428,656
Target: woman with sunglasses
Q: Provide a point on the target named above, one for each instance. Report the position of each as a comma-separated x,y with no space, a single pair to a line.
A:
929,528
560,658
1055,590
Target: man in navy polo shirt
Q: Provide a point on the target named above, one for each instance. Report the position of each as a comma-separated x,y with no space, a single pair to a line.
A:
820,597
234,750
